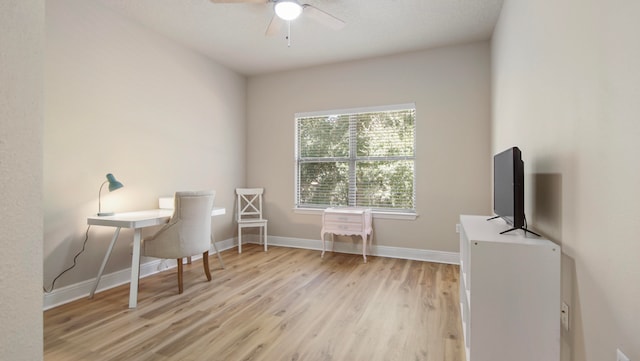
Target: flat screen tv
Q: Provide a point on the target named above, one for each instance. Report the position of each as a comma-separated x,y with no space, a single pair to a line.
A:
508,188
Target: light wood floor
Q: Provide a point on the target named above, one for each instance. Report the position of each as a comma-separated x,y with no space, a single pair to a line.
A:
286,304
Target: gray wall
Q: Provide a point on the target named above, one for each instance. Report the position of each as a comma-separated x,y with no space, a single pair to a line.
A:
451,89
122,99
565,89
21,113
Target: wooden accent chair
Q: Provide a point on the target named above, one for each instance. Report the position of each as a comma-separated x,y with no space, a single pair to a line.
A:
249,215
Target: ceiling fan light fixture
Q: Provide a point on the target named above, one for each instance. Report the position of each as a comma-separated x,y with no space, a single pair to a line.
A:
288,9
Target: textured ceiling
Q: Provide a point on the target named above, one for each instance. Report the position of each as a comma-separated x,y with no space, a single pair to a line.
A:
234,34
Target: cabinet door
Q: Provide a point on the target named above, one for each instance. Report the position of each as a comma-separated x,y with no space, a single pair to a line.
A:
514,304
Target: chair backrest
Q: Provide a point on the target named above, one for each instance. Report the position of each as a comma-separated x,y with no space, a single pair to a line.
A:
192,217
249,203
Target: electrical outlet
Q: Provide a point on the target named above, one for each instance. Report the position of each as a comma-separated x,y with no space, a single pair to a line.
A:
564,316
458,228
620,356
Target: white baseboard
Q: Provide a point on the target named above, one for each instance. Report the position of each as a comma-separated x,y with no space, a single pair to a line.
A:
375,250
82,289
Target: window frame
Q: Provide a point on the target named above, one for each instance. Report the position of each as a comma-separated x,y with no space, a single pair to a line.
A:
352,158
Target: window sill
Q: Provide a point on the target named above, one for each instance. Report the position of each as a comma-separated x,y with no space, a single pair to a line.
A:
376,214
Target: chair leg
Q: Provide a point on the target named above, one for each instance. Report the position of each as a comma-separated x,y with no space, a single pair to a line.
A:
205,263
239,239
265,237
179,275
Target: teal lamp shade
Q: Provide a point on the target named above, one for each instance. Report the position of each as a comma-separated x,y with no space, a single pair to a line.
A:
113,185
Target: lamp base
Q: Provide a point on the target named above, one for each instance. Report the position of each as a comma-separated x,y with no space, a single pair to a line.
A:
104,214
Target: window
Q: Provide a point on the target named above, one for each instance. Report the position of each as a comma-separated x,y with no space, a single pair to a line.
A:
357,157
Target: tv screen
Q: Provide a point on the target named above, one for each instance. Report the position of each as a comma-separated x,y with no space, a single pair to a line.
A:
508,187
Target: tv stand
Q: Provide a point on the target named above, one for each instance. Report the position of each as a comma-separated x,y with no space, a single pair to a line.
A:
522,228
509,293
514,228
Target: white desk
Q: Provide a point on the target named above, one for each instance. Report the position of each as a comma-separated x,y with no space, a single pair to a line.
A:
137,221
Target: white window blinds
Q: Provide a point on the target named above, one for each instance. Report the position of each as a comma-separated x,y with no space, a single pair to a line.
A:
358,157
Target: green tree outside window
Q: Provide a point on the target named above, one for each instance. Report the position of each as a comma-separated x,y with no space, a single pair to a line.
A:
363,158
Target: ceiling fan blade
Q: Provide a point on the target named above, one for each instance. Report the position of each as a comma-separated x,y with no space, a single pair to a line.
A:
240,1
275,25
323,17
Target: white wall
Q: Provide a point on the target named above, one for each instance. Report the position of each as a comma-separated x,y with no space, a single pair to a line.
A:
451,89
565,89
122,99
21,112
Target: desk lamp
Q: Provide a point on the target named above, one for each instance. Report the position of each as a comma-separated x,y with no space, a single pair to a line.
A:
113,185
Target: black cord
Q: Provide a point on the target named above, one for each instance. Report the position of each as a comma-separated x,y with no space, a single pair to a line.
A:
84,243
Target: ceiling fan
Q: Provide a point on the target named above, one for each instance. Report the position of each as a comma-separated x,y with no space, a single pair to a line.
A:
287,10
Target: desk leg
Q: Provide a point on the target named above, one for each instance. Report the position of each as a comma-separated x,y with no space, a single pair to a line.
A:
104,261
213,241
135,268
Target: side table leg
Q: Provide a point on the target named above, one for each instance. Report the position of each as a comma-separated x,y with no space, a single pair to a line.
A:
364,246
333,242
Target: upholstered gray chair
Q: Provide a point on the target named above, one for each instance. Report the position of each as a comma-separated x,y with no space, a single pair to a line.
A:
188,232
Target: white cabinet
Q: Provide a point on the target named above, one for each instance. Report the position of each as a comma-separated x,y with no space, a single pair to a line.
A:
509,293
347,221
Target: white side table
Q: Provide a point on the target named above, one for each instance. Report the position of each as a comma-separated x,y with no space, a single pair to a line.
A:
348,221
